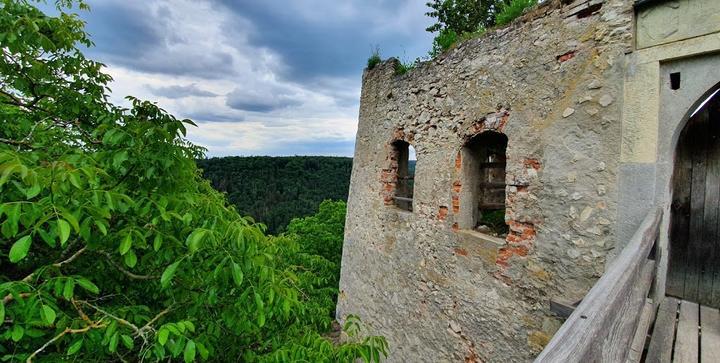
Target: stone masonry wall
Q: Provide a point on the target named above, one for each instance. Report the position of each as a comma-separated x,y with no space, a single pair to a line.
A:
551,82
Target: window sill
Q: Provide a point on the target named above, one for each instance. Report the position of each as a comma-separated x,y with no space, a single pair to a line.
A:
481,245
481,237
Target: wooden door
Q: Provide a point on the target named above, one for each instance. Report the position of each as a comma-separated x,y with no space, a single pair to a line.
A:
694,265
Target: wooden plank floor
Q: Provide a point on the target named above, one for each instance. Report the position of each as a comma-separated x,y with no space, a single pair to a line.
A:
685,332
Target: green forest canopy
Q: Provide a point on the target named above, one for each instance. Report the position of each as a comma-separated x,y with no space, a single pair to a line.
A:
274,190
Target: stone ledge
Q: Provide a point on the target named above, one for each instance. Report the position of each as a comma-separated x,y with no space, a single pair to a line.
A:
480,244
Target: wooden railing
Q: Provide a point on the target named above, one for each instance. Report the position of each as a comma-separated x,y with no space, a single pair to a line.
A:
604,326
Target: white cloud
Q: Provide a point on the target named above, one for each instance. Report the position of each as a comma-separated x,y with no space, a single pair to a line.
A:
197,61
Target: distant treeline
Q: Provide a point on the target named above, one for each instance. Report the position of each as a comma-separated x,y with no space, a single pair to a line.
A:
274,190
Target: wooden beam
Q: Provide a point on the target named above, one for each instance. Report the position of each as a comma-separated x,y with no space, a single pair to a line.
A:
710,328
686,343
661,343
619,338
641,334
561,308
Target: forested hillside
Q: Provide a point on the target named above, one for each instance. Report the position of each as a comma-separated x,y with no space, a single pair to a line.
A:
274,190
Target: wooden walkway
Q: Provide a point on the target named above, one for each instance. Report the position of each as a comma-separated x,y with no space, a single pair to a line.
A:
685,332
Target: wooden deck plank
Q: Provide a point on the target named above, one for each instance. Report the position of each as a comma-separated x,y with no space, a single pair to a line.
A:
710,334
661,343
638,344
686,342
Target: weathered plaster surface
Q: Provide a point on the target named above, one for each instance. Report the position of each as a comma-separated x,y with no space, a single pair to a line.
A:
553,83
648,143
675,20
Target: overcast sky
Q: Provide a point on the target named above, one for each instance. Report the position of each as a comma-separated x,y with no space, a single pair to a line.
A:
259,77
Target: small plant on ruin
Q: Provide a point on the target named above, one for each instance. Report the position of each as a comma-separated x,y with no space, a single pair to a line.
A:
374,59
513,10
404,67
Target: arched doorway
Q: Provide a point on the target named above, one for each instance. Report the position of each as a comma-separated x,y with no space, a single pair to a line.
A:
694,251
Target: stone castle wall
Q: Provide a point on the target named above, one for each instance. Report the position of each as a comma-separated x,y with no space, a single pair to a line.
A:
553,83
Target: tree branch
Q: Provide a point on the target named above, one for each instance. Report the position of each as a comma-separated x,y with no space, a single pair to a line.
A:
127,273
94,325
153,320
118,319
72,258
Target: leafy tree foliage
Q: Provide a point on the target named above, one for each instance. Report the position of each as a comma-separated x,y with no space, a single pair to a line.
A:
458,20
274,190
463,16
510,11
322,234
112,246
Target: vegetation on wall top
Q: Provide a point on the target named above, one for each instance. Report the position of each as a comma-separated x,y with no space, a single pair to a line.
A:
460,20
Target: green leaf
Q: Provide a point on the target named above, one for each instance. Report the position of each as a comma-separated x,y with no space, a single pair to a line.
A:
75,180
101,227
168,274
75,347
204,353
189,354
119,158
64,229
125,244
237,274
2,312
17,333
194,239
190,326
69,289
130,259
87,285
113,343
20,249
48,314
33,191
127,341
163,336
157,243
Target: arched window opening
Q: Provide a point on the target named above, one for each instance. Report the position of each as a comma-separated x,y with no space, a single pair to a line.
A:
482,200
405,155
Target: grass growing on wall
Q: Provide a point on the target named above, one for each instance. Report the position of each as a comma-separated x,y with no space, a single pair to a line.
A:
513,10
374,59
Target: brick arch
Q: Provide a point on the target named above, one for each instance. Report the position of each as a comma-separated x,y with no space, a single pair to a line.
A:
521,234
394,174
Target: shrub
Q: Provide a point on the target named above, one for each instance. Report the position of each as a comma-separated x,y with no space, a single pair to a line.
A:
402,67
445,39
513,10
374,59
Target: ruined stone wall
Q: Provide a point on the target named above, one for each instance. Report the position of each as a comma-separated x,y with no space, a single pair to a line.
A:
552,82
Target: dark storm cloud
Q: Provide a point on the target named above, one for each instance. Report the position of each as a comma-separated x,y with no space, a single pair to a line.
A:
177,91
211,116
257,100
143,38
323,45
